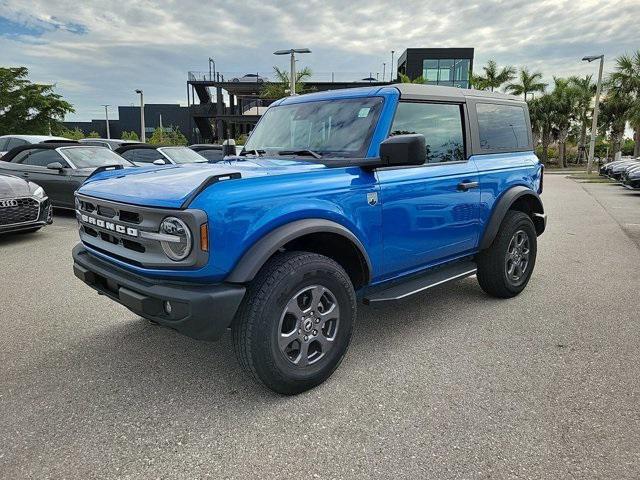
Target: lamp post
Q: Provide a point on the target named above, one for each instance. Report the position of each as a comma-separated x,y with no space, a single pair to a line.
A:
292,52
391,68
212,61
384,71
143,137
106,116
594,121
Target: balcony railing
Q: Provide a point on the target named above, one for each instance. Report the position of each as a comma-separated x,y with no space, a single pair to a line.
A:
264,76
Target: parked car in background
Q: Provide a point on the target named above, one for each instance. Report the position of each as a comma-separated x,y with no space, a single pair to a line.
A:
631,178
24,206
59,168
212,152
250,77
618,169
7,142
143,154
110,143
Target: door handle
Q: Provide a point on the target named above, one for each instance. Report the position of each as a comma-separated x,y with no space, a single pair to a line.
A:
464,186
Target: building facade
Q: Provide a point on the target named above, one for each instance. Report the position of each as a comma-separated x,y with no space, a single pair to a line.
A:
438,66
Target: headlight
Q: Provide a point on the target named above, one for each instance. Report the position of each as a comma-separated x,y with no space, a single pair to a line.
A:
38,192
180,247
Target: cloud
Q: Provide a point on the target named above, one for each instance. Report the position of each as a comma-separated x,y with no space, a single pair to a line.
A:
102,51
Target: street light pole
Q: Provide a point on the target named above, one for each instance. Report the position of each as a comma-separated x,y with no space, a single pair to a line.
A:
143,136
384,71
106,116
212,74
391,68
292,52
596,108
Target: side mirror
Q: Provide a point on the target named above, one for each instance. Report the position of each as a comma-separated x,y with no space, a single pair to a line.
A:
404,150
159,161
55,166
229,147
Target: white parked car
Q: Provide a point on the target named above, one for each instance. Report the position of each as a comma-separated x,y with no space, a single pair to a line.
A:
7,142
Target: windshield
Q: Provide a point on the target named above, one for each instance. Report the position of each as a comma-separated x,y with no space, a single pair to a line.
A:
182,155
93,157
333,128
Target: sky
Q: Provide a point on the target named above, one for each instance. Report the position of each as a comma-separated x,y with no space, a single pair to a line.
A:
99,52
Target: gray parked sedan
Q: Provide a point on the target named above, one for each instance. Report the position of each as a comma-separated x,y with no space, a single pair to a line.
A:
59,168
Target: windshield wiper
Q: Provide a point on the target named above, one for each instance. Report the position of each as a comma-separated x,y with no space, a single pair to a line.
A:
302,152
256,152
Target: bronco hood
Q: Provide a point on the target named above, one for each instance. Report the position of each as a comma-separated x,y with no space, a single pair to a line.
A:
172,186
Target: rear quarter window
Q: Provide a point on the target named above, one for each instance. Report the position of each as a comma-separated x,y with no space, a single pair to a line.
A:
502,127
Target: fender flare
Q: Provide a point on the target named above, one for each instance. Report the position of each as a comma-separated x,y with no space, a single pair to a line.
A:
257,255
503,204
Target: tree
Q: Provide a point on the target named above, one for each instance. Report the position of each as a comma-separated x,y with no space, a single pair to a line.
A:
130,136
626,80
527,83
280,88
405,79
28,108
614,111
585,89
62,131
168,136
493,76
93,134
543,120
565,98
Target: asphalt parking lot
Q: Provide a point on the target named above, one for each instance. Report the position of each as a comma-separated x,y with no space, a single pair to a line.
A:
449,384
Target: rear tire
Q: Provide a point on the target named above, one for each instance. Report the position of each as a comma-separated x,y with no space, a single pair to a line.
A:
504,269
294,325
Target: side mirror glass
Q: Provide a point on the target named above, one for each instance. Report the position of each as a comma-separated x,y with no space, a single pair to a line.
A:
55,166
159,161
404,150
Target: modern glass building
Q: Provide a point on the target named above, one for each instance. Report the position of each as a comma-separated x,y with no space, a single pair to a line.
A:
438,66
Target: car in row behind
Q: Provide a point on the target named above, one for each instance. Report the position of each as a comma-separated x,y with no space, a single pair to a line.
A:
59,168
7,142
143,154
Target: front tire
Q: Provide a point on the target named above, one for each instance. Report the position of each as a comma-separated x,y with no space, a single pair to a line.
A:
504,269
295,324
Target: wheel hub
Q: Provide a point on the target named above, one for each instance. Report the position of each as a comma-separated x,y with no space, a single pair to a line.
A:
517,257
308,325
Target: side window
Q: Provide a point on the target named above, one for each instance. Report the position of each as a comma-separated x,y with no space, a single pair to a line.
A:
129,155
148,156
16,142
42,158
213,155
441,125
502,127
3,144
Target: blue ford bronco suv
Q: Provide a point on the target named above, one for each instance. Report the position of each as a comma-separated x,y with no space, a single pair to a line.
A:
365,194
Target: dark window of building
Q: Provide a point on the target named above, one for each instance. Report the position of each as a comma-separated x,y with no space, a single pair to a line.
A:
41,158
447,72
502,127
441,125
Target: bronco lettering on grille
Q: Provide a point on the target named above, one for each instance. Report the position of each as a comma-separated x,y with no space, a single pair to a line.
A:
112,226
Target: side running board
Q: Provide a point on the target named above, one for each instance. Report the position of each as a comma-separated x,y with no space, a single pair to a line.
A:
423,282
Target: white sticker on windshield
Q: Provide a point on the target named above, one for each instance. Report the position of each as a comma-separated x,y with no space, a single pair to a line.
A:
364,112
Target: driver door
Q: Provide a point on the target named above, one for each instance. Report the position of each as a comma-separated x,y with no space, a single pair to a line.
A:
56,183
431,211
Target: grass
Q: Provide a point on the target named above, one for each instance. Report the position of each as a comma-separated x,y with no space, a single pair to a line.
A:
589,178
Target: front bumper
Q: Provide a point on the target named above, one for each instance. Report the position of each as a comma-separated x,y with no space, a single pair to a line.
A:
199,311
45,217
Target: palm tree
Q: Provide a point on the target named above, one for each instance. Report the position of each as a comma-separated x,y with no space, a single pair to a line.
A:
493,76
615,108
280,87
565,98
586,89
405,79
527,83
542,112
626,80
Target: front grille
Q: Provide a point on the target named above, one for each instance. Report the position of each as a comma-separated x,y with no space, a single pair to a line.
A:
25,210
125,232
